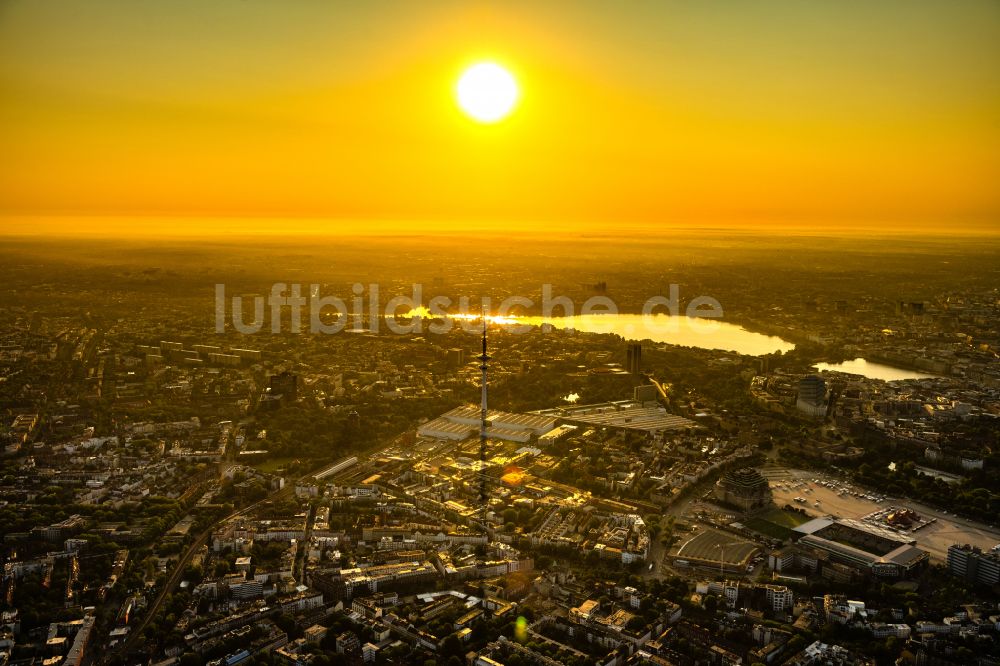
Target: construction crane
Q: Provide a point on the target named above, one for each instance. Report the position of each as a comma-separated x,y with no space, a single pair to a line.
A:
661,388
722,555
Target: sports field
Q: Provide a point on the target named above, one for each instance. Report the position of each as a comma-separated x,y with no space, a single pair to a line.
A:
784,518
776,523
272,465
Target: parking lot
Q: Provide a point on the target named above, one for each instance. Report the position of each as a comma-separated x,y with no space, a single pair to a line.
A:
841,499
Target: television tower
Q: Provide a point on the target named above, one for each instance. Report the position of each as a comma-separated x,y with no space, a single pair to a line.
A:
483,424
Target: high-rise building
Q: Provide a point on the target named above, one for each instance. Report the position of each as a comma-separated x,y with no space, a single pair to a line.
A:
456,357
633,361
812,396
973,565
286,385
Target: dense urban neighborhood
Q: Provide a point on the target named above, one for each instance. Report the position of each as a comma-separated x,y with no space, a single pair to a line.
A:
172,495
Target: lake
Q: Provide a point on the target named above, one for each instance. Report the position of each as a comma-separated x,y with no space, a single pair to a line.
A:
698,332
860,366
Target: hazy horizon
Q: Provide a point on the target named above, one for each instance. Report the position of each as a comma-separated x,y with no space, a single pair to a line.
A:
180,227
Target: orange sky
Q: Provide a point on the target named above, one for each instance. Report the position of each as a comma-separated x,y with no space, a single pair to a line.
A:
783,112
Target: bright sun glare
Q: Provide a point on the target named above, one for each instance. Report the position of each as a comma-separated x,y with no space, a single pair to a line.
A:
487,92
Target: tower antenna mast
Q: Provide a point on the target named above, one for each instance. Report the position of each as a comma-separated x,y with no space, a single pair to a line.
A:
483,425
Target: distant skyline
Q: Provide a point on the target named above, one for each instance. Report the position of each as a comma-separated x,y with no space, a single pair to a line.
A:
720,113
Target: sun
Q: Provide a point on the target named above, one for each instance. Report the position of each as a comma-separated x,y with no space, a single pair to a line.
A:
487,92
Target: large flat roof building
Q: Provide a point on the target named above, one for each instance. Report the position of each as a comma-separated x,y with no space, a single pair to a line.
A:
621,415
463,422
866,547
